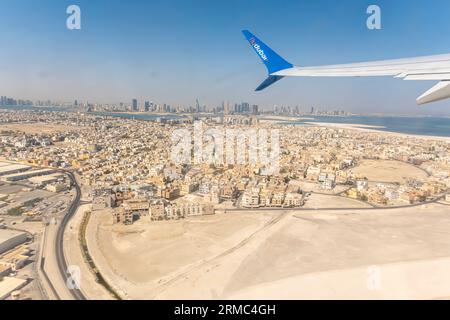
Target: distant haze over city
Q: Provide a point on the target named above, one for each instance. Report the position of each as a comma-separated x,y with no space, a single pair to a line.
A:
176,52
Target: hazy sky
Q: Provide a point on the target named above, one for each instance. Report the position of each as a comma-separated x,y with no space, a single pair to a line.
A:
177,51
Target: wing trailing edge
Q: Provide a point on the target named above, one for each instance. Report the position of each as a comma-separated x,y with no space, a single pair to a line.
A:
440,91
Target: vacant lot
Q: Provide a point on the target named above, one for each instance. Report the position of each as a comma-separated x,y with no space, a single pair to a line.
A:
293,255
388,171
35,128
150,250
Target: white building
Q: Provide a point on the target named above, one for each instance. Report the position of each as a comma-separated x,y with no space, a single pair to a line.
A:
250,199
362,185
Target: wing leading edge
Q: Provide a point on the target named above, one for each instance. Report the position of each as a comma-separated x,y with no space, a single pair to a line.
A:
420,68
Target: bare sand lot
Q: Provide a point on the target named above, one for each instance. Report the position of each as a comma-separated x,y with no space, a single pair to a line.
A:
320,201
34,128
149,251
298,255
388,171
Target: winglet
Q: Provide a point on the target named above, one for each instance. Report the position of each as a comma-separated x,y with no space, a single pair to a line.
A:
272,60
268,82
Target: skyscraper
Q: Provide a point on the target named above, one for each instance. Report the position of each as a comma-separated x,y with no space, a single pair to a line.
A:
245,107
134,105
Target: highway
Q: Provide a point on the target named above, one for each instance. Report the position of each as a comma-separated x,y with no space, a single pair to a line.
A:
53,267
59,247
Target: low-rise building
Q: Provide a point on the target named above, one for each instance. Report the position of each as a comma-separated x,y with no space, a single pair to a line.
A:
157,211
132,210
293,200
278,199
16,258
56,187
10,284
447,197
10,239
250,199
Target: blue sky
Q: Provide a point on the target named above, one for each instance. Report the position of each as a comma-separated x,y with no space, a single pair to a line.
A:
177,51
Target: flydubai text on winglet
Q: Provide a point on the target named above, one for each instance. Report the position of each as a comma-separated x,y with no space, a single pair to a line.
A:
258,49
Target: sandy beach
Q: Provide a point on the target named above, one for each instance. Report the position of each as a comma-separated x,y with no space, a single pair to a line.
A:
373,129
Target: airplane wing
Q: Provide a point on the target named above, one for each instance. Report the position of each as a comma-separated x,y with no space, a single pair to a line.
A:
421,68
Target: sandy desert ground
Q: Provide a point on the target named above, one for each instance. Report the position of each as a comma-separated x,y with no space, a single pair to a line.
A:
388,171
281,255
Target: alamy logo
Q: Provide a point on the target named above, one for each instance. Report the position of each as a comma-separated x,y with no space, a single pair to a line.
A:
373,278
258,49
73,22
227,146
73,281
374,20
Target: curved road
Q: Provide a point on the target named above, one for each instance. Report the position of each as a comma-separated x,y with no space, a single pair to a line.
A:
59,247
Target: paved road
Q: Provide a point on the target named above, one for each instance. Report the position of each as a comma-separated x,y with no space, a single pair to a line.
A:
59,248
53,263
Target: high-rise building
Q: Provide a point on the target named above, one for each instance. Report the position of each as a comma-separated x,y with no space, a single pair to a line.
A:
147,106
134,105
255,109
227,108
197,106
245,107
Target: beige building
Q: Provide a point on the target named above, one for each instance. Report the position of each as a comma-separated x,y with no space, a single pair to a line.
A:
183,210
16,258
157,211
293,200
132,210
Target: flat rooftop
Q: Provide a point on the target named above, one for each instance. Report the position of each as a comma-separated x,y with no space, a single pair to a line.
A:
28,173
8,234
2,164
13,167
10,284
50,177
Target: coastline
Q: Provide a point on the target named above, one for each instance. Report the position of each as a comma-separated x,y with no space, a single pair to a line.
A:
375,129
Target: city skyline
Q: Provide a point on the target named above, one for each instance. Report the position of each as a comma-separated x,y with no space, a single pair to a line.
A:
149,105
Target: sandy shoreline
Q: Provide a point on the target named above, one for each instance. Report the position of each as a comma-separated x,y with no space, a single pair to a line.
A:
373,129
